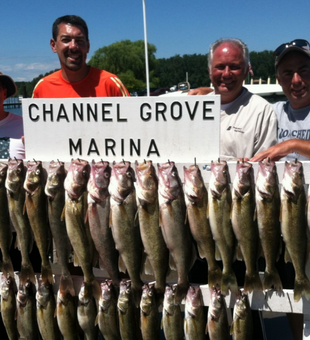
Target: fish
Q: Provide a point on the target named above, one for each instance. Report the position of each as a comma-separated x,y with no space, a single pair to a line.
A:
172,320
107,317
174,226
45,307
157,253
149,315
219,213
125,229
16,200
127,312
196,199
217,324
267,197
99,217
36,207
26,311
294,225
195,319
242,325
6,236
8,306
66,313
55,192
244,226
75,217
87,312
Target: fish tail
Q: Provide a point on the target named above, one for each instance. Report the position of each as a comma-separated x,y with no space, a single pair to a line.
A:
301,288
229,282
47,274
214,277
272,280
136,289
7,268
252,282
26,273
181,291
160,291
66,285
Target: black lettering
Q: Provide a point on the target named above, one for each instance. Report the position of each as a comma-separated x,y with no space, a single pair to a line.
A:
119,119
75,147
62,114
122,147
46,112
191,113
179,116
31,106
77,112
153,149
92,112
161,110
109,145
148,113
207,109
106,112
133,147
93,148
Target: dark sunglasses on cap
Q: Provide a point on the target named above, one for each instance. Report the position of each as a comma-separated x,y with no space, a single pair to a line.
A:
302,43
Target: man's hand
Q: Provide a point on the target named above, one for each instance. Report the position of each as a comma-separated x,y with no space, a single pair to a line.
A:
276,152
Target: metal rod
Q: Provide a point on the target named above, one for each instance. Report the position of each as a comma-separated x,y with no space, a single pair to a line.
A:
146,51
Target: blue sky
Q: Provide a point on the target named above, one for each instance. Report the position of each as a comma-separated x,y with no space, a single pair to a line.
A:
173,26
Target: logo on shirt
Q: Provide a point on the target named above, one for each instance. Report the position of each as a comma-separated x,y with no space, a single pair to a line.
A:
236,129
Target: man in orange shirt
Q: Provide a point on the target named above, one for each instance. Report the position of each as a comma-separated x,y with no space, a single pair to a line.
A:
76,78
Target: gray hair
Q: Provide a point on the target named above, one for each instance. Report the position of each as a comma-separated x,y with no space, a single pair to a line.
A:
235,41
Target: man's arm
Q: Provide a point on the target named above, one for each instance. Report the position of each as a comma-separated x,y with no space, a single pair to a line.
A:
282,149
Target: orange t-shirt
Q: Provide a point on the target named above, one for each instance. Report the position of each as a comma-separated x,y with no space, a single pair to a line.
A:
98,83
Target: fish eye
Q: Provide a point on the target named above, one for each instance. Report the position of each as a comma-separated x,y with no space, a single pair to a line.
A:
37,172
173,173
106,175
128,174
84,173
2,173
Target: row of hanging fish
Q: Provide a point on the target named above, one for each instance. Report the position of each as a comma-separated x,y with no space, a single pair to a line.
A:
121,215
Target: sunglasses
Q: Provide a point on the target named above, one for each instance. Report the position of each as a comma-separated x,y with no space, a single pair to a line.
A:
304,44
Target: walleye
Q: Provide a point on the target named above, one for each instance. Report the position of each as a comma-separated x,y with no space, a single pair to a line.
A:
294,225
175,229
66,311
219,210
267,198
36,207
8,306
46,311
125,231
126,312
98,217
195,320
218,327
172,321
6,236
245,229
16,201
55,192
149,316
87,312
196,199
26,312
242,325
75,213
151,234
107,317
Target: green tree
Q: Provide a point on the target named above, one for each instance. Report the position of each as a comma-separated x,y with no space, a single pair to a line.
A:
126,59
263,65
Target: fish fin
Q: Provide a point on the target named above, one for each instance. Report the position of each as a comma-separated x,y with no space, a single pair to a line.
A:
86,217
121,265
287,256
148,270
17,243
194,256
217,254
75,260
301,288
214,277
255,214
110,219
26,273
172,263
272,280
280,215
186,216
97,320
47,274
239,253
232,328
206,329
229,282
7,268
185,326
66,285
136,218
252,283
63,214
207,212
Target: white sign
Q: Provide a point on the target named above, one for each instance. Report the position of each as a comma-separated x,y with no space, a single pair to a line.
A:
130,128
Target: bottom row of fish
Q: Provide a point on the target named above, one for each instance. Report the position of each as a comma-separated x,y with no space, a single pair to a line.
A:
116,316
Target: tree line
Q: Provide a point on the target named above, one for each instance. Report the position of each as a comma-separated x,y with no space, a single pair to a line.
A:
126,59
